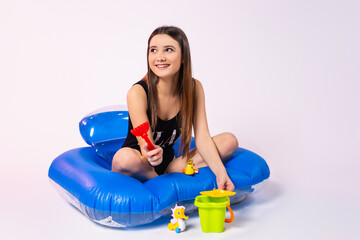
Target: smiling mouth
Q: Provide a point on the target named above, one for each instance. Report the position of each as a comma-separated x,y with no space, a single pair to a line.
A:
162,66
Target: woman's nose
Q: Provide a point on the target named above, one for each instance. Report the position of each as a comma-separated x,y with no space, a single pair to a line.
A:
161,57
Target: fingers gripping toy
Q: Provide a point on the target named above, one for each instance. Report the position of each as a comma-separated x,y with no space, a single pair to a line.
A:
189,170
177,223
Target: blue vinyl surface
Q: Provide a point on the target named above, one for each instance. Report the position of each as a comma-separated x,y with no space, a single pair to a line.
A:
86,177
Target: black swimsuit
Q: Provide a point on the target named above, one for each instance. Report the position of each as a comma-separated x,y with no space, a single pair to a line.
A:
165,135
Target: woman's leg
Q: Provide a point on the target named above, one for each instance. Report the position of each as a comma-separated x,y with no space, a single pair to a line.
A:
226,144
129,162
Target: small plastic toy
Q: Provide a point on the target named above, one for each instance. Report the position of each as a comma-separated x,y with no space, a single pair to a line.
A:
141,131
212,207
177,223
189,170
218,193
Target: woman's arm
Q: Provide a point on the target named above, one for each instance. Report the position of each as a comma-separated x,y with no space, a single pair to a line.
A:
137,106
205,143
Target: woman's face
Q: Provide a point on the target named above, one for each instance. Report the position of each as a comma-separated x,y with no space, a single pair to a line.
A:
164,56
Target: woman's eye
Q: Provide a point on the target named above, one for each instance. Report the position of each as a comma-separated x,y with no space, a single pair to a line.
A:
169,50
153,50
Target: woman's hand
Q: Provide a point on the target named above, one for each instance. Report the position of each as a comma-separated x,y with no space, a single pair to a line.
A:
155,157
224,182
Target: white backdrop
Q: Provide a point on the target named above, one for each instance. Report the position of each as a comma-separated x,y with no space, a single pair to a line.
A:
283,76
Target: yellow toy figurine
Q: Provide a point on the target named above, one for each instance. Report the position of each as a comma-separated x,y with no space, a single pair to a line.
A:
189,170
177,223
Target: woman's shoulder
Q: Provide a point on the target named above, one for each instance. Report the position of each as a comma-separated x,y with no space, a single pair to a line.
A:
197,83
138,91
198,86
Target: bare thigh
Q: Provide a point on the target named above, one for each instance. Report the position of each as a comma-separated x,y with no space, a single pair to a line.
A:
130,162
226,144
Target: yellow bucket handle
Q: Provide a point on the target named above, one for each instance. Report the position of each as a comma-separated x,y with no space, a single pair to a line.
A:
232,217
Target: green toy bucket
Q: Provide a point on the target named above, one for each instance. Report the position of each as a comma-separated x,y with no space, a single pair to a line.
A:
212,212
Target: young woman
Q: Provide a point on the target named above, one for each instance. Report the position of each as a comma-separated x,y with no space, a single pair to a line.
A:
173,103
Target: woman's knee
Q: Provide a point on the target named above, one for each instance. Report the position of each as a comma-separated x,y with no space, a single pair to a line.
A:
227,144
126,161
231,141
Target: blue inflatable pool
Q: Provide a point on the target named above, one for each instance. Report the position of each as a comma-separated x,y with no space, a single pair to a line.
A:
83,177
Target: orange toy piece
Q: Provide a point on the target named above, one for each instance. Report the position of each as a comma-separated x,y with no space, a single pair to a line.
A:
189,170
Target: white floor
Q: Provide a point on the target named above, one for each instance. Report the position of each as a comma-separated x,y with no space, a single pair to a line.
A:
30,207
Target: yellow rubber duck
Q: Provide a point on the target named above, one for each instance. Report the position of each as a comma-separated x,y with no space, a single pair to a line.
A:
189,170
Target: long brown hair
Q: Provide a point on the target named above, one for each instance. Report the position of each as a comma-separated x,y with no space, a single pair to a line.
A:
185,86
